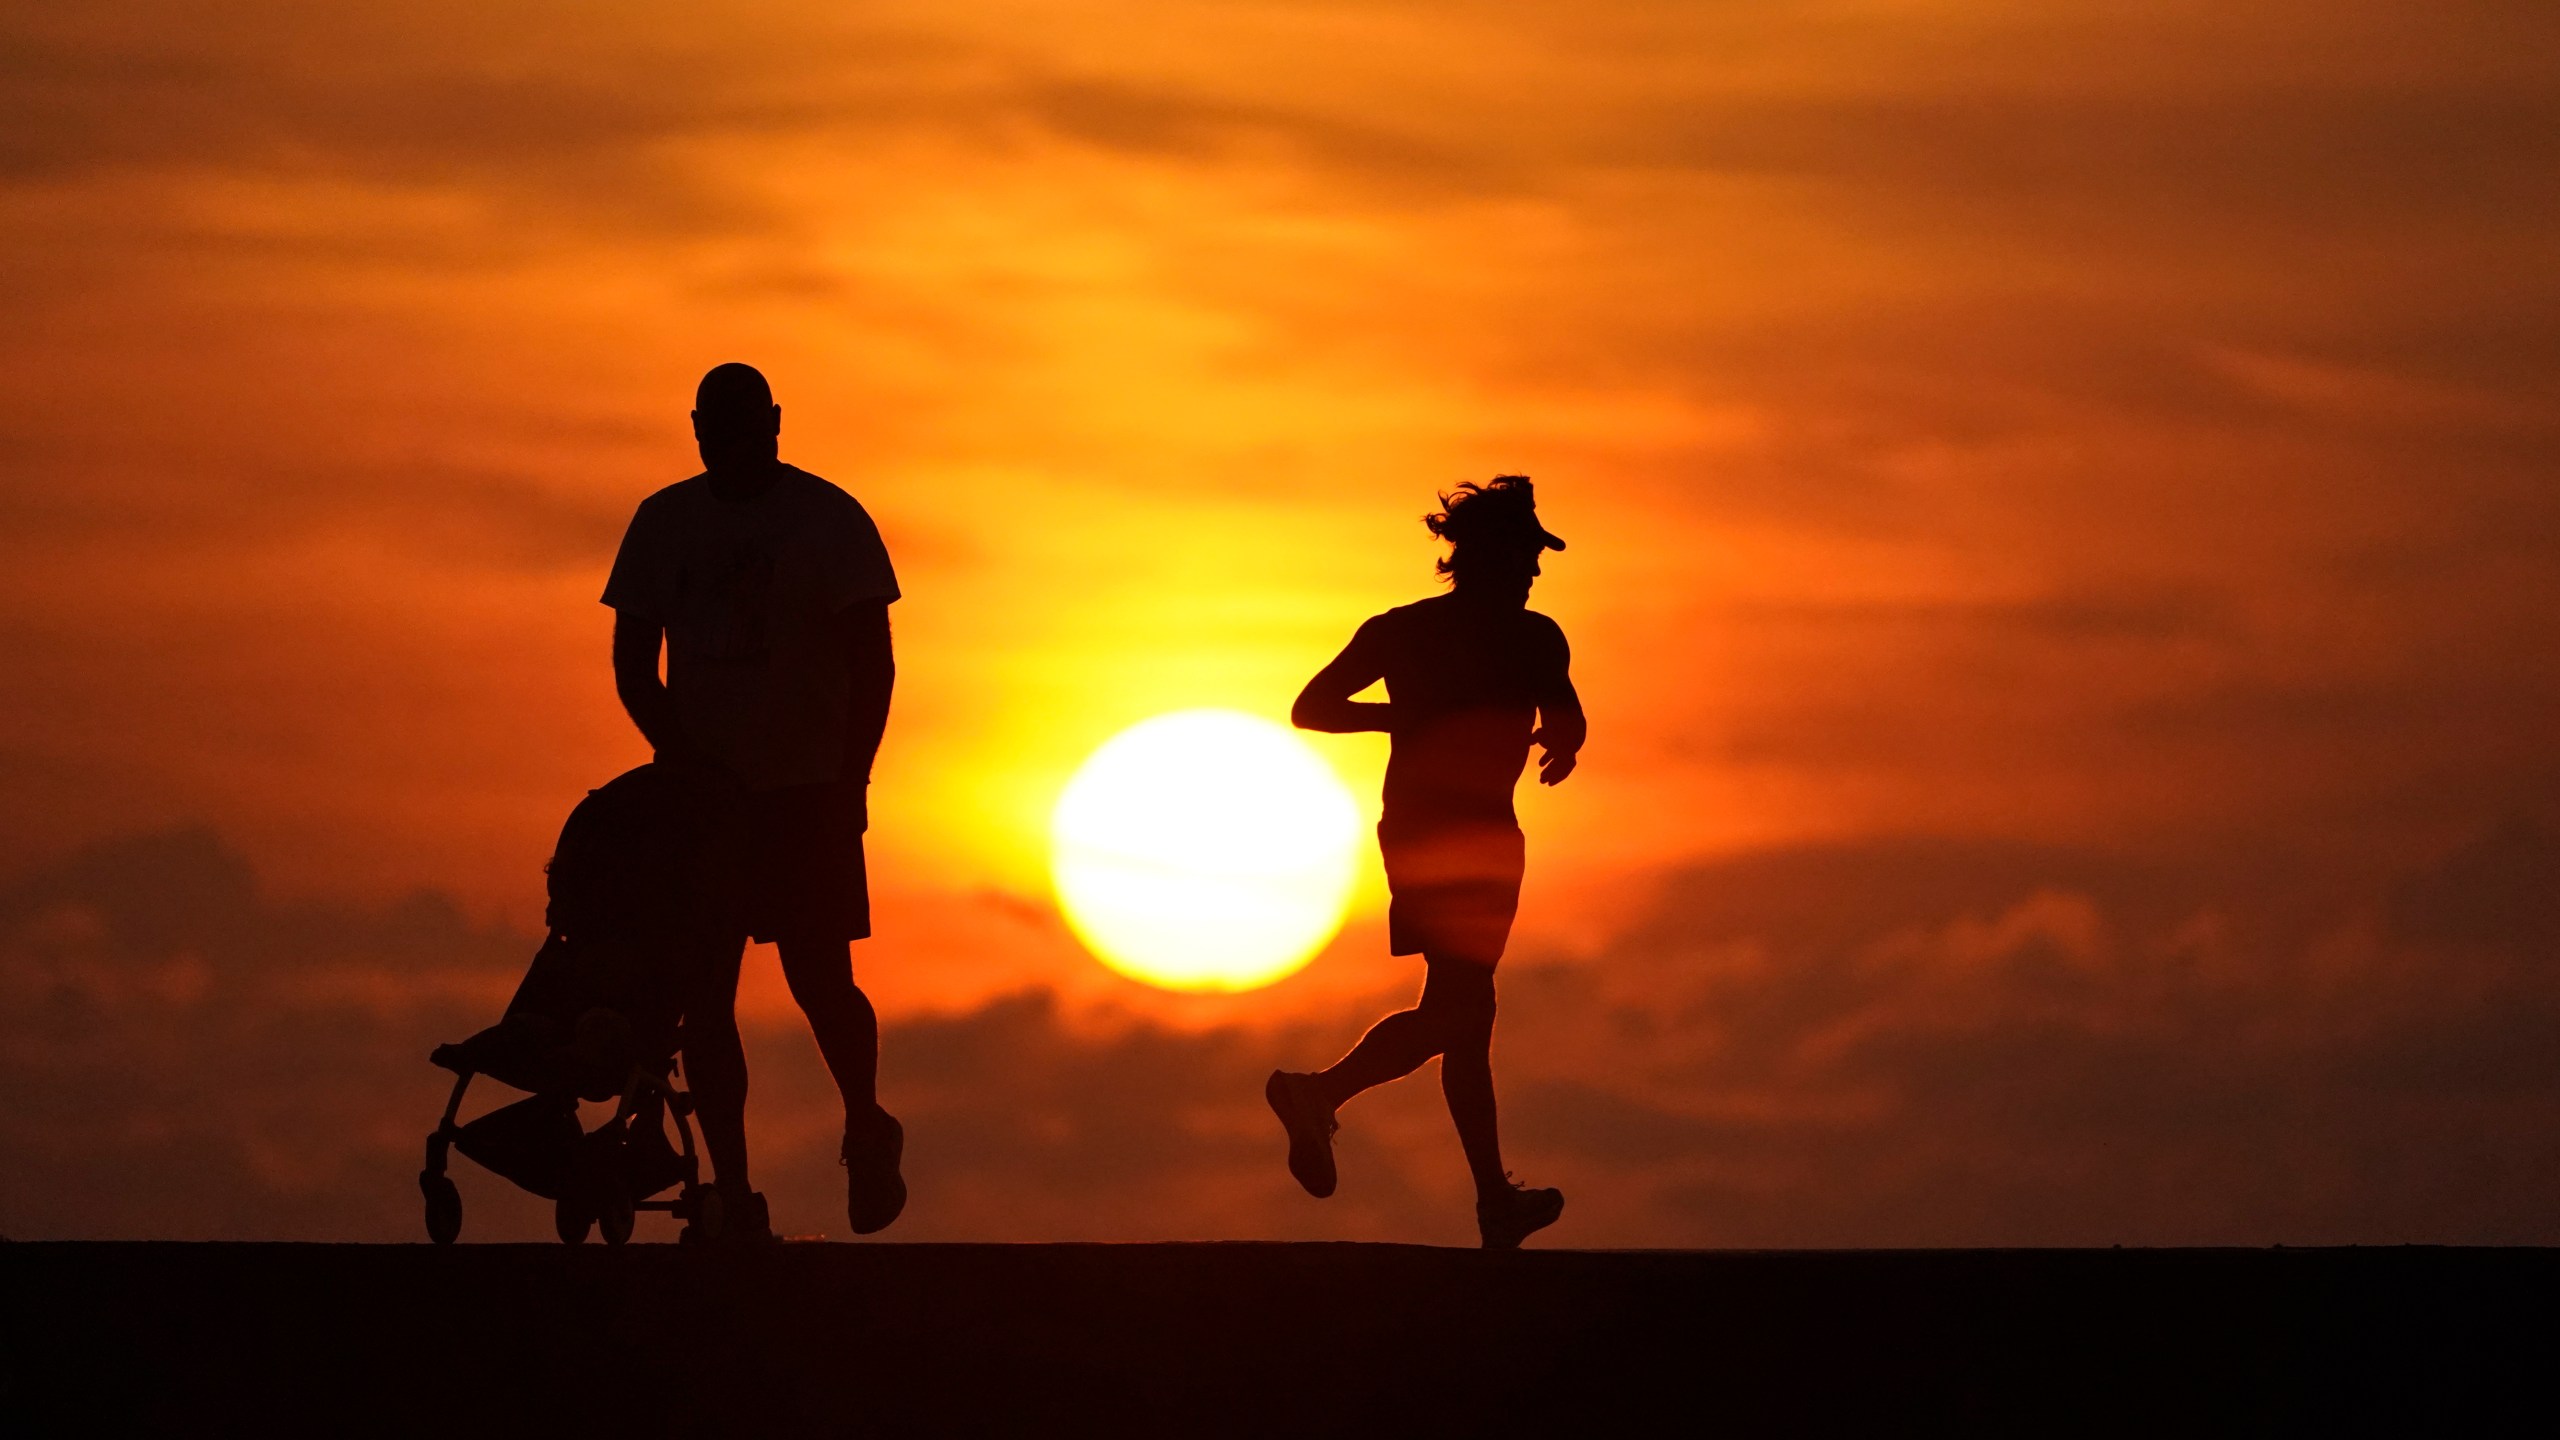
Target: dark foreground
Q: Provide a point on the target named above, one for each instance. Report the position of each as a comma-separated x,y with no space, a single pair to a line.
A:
1263,1339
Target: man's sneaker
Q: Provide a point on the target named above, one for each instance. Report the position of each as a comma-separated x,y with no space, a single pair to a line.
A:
1507,1216
874,1191
737,1220
1310,1124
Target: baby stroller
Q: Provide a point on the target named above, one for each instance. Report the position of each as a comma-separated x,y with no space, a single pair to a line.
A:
644,899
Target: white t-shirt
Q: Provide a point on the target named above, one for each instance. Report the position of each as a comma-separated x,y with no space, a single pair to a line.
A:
753,595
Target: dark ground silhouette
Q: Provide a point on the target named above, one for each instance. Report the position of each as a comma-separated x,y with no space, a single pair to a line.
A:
1268,1339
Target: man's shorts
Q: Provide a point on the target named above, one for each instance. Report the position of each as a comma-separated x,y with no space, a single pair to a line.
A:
805,878
1453,888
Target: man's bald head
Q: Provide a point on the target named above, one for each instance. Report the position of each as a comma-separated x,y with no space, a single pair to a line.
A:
732,388
735,421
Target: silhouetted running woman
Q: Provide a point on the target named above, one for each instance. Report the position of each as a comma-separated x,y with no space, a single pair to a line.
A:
1473,678
771,590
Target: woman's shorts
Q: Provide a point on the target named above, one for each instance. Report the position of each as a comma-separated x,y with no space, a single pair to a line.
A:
1453,888
806,879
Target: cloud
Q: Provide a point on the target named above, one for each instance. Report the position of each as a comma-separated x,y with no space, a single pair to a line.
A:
605,136
2094,329
2037,124
1937,1044
1919,1043
2492,894
196,1059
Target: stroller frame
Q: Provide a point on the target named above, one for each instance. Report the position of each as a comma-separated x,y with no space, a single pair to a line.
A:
643,905
600,1189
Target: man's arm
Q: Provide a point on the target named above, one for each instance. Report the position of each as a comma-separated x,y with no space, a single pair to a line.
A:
875,675
1561,726
1326,703
635,679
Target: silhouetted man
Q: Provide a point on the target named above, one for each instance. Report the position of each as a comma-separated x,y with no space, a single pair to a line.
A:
1473,678
770,590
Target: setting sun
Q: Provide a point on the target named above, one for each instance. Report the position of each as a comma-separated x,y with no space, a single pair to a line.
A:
1204,850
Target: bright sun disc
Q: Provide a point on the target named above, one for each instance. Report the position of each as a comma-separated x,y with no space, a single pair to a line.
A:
1204,850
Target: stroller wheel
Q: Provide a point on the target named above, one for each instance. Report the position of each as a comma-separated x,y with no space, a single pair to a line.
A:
444,1207
597,1190
571,1220
618,1214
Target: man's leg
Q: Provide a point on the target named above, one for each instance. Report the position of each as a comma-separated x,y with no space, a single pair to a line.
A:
820,974
715,1070
848,1030
1506,1214
1398,1045
1464,991
1394,1048
1445,1017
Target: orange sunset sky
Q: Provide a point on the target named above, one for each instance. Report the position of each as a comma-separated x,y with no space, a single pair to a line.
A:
2065,542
